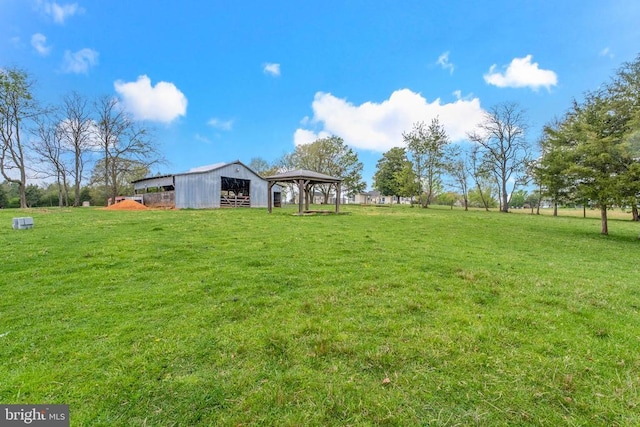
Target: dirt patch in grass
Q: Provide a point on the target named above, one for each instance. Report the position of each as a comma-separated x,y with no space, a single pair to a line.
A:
127,205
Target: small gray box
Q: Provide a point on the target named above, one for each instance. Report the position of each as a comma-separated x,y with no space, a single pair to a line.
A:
22,223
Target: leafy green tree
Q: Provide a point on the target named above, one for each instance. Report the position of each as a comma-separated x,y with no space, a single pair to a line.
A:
483,197
85,192
625,91
427,146
550,168
408,184
448,198
4,199
17,109
518,198
533,200
599,157
263,167
594,153
33,194
388,176
330,156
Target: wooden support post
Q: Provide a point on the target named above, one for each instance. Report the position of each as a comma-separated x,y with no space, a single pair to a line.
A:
308,195
269,198
301,195
337,197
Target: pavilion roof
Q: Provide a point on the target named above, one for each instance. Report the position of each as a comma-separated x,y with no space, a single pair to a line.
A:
296,174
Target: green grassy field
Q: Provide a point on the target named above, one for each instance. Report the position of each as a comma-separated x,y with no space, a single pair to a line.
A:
398,316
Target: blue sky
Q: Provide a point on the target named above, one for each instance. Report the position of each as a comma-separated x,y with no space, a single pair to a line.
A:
221,81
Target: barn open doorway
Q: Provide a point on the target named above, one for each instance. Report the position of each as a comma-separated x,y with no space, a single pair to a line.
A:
235,192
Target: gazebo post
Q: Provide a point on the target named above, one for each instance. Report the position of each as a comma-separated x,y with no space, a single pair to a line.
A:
301,195
307,195
337,197
269,198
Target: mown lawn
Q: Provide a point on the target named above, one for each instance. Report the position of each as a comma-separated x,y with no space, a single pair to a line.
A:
382,316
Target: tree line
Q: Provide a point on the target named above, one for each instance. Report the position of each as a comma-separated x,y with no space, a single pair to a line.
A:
72,143
589,157
592,153
493,166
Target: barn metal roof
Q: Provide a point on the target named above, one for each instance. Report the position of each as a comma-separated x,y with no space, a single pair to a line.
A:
216,166
200,169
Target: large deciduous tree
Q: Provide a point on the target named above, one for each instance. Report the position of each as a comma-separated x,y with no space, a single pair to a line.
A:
263,167
125,146
504,147
76,128
17,109
48,151
330,156
598,157
391,176
458,167
427,145
550,168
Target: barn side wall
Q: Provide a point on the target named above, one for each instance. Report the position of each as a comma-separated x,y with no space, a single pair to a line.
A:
161,199
201,190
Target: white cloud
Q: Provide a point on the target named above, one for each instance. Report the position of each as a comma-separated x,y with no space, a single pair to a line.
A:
443,61
79,62
202,138
607,53
379,126
522,73
220,124
305,136
59,12
39,43
272,69
162,103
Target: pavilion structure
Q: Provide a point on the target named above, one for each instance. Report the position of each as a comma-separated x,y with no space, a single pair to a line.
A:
305,180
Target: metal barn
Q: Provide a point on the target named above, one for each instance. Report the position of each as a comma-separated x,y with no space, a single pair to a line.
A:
215,186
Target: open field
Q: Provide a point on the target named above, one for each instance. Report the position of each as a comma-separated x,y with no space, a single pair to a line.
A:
399,316
621,214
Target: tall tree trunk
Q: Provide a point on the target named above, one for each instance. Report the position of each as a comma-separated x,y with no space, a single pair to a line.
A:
76,192
484,202
634,213
65,189
23,194
505,197
555,208
60,193
603,218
